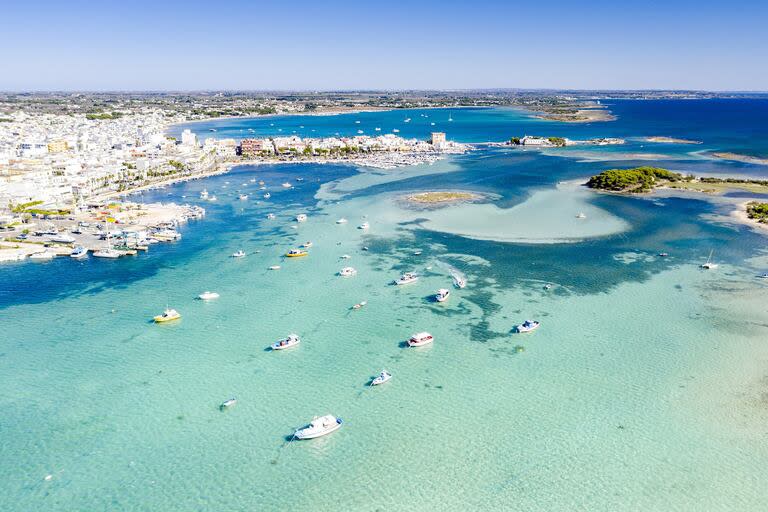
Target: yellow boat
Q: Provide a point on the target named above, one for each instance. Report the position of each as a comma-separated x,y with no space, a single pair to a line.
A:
167,316
296,253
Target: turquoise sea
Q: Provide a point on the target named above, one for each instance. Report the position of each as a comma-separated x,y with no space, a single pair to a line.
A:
646,387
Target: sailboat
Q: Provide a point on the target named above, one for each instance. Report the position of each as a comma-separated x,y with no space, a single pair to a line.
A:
709,265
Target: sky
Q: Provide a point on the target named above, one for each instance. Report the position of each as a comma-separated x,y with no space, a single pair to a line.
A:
330,45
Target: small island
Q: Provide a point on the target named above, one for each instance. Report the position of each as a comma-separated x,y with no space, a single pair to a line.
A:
644,179
736,157
633,181
442,197
671,140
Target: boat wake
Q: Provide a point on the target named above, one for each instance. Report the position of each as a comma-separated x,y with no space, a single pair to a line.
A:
459,278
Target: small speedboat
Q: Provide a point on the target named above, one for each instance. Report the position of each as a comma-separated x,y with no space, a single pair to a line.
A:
243,197
581,215
226,404
168,315
381,378
79,252
238,254
287,185
302,217
296,253
271,216
364,226
306,245
347,272
709,265
291,341
359,305
274,267
442,295
319,427
459,281
663,254
342,221
204,194
528,326
407,278
267,195
345,256
208,296
764,275
420,339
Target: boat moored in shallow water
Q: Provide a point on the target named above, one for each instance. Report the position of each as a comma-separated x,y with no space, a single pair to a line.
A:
381,378
291,341
347,272
407,278
238,254
168,315
208,296
420,339
527,326
319,427
226,404
442,294
296,253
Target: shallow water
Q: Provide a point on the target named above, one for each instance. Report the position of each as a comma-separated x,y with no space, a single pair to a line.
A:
643,389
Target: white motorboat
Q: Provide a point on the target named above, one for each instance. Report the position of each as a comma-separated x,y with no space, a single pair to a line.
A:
208,296
306,245
226,404
319,427
381,378
407,278
764,275
274,267
360,304
213,198
42,256
528,326
79,252
107,253
581,215
271,216
347,272
238,254
345,256
62,238
442,295
342,221
302,217
364,226
287,185
267,195
243,197
291,341
420,339
709,265
459,281
204,194
395,131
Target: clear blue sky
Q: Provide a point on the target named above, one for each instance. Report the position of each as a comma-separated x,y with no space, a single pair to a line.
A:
191,45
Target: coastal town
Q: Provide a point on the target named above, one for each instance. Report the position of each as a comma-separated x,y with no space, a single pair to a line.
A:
64,178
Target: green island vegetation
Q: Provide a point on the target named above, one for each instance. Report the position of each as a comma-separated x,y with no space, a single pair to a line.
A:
6,120
635,180
556,141
758,211
29,208
442,197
